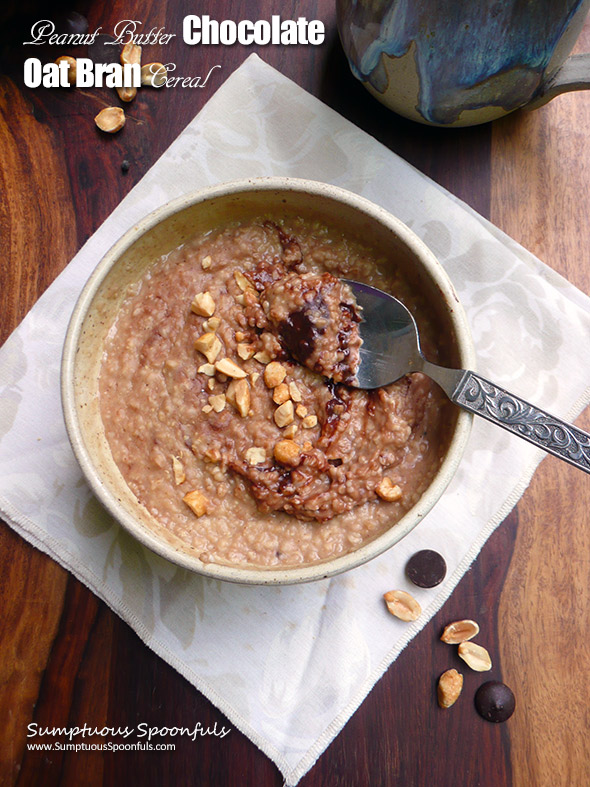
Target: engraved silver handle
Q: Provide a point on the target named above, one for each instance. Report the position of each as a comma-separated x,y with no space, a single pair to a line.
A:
546,431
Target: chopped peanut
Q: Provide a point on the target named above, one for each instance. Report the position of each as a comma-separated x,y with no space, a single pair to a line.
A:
387,490
110,119
209,345
246,351
310,421
203,304
255,455
72,67
212,324
178,471
291,430
242,282
294,392
126,93
280,394
153,75
206,263
274,374
196,502
217,402
287,452
262,357
284,415
131,53
227,366
211,454
206,368
238,394
301,411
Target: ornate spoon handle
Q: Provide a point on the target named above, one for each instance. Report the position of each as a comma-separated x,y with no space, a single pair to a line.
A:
480,396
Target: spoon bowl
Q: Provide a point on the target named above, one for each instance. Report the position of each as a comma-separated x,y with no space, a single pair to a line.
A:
391,343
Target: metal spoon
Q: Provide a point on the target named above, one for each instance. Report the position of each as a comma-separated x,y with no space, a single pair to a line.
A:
391,349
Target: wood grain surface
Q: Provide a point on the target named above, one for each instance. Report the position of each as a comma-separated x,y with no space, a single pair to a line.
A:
66,659
540,191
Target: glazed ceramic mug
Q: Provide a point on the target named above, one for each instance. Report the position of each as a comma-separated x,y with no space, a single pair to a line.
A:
464,62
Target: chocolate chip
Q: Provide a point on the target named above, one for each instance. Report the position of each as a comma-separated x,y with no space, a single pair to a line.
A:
104,50
72,22
494,701
426,568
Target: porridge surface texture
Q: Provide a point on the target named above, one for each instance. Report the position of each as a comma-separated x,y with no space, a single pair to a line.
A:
220,418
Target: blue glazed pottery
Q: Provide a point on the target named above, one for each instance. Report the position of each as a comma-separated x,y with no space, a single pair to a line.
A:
463,62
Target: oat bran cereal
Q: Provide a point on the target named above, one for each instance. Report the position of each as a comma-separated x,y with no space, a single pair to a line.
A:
218,414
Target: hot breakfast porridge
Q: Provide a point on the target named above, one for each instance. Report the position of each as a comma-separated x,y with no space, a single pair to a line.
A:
225,396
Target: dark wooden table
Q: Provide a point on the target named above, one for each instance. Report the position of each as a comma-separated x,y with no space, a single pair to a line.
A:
66,659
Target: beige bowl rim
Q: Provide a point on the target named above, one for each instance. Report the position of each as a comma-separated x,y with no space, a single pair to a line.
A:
254,575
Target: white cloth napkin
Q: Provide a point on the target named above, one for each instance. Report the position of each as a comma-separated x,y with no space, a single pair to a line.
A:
288,666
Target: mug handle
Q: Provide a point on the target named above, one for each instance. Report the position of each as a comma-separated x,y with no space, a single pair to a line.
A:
574,74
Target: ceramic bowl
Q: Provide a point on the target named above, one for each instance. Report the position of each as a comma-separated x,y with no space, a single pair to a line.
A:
161,232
